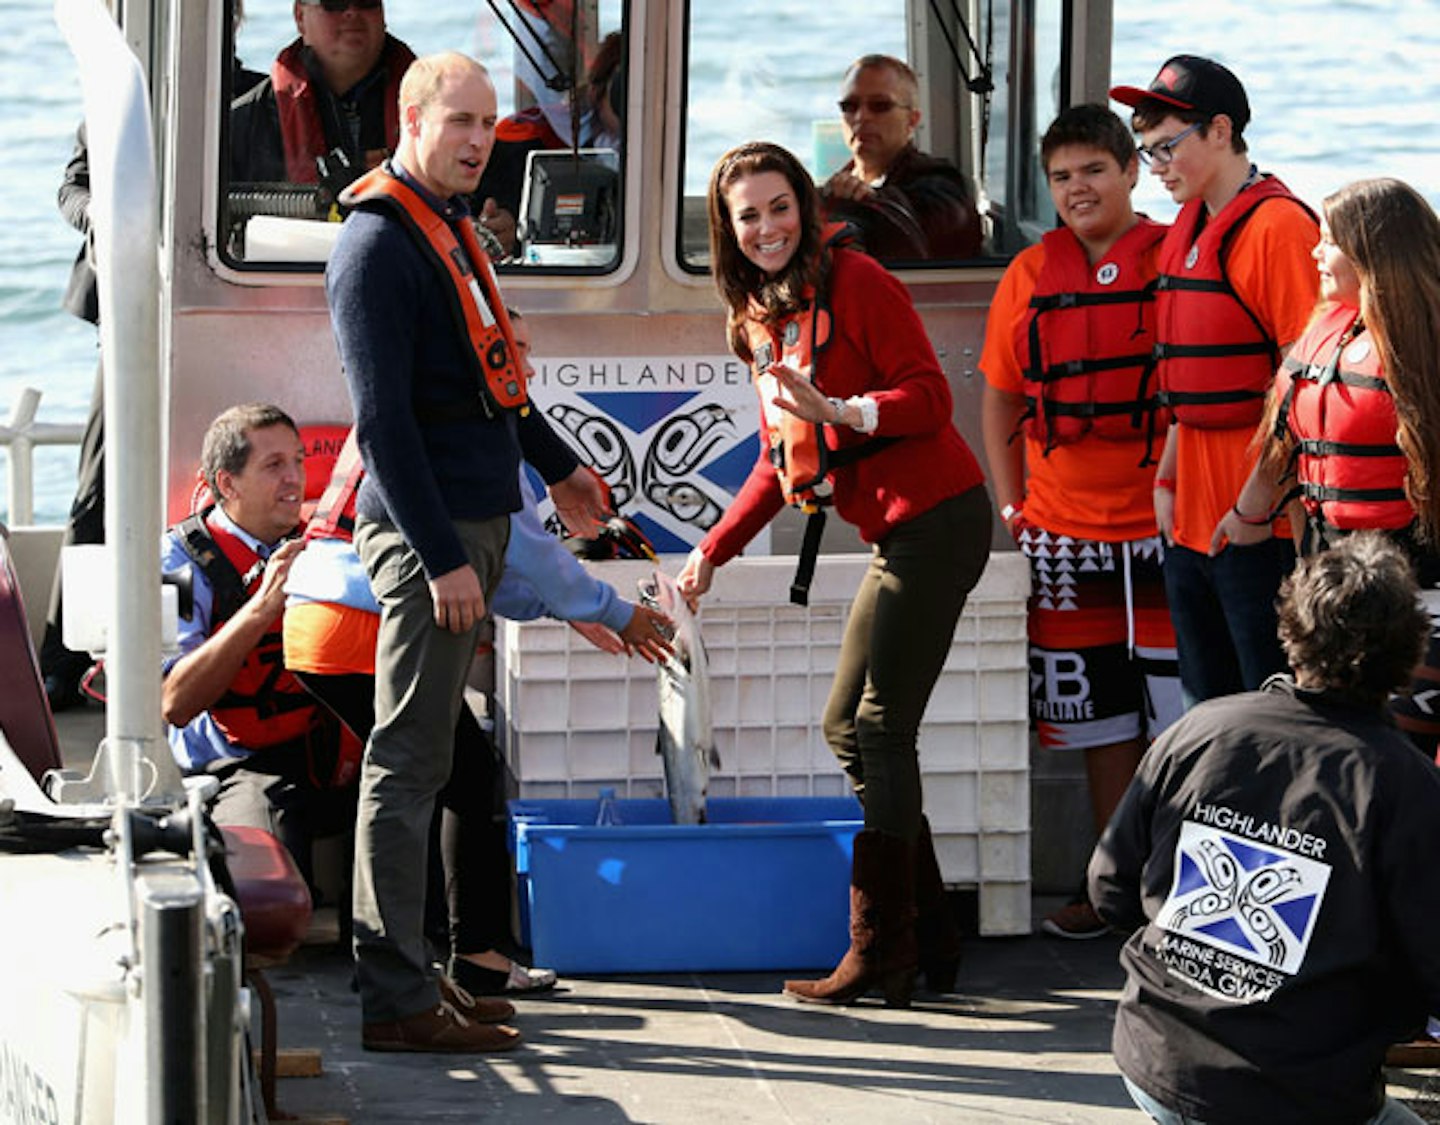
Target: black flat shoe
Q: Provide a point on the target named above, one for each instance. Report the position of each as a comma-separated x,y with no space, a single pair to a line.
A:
480,981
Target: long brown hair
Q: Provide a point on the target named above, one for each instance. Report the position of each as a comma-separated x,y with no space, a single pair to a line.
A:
737,278
1392,237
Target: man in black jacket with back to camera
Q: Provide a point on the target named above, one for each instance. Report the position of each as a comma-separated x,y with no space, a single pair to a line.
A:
1274,862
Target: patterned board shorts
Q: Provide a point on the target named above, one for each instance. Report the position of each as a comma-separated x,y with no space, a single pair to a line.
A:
1102,649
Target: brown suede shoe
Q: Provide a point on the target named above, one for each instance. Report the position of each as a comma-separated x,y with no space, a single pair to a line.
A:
441,1030
475,1008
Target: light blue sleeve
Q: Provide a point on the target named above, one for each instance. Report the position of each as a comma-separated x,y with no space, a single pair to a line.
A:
543,579
200,742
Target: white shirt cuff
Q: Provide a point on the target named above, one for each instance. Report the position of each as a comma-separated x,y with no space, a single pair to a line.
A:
869,413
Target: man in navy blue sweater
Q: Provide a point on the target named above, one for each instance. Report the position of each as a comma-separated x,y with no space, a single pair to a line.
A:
429,356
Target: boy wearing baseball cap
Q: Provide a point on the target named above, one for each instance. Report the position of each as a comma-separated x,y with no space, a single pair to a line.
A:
1237,285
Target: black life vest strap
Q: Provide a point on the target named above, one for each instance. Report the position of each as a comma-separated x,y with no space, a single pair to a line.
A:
1052,301
1057,371
1319,447
227,584
1323,493
1303,372
1206,398
1172,281
1211,351
809,553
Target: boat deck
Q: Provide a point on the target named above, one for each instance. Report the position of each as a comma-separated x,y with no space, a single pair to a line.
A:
1025,1039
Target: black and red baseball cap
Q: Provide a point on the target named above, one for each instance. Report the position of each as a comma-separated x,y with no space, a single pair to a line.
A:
1190,82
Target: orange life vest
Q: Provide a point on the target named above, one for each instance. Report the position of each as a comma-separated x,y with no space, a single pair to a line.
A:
798,449
264,706
302,133
802,456
1086,346
474,294
1216,359
1340,412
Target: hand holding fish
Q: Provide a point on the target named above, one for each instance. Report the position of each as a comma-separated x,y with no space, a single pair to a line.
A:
601,636
695,577
648,634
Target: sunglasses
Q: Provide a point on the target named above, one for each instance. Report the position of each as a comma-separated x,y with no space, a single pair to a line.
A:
851,106
344,5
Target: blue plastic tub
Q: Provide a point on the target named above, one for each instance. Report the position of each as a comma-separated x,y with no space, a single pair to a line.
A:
764,885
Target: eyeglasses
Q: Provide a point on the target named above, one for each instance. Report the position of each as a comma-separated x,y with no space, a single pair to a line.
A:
344,5
1159,155
877,106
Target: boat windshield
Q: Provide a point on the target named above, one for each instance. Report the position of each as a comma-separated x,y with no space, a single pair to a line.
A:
586,146
304,120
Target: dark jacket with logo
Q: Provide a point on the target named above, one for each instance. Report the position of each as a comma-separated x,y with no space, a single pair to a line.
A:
1276,860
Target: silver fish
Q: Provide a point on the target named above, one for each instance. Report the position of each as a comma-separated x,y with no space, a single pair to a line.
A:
686,739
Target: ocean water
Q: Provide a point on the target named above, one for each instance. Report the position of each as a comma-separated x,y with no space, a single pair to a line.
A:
1339,90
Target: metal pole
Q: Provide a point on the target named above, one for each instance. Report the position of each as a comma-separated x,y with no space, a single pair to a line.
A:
124,213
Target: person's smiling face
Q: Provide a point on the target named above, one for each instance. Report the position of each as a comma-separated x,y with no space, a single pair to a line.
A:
765,216
1339,280
1091,192
264,497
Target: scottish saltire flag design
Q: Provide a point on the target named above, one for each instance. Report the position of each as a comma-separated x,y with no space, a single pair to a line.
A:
1244,896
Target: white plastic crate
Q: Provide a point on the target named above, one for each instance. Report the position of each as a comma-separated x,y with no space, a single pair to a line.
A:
571,718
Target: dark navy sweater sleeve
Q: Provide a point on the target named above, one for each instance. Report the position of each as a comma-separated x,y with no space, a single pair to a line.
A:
544,448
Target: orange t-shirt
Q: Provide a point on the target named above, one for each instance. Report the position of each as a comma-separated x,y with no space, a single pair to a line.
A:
327,639
1093,488
1271,269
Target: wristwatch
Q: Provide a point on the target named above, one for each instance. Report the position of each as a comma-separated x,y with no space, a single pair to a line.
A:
838,406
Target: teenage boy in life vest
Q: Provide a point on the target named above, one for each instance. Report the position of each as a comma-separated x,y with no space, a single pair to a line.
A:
1236,288
1064,416
233,709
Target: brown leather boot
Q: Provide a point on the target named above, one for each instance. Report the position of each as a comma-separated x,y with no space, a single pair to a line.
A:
882,927
937,935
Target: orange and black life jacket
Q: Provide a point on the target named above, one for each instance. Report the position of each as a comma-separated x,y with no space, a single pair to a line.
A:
799,451
1216,358
1339,411
469,282
264,705
302,133
1086,347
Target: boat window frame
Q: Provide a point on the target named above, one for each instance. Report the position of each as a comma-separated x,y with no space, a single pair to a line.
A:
1022,229
269,271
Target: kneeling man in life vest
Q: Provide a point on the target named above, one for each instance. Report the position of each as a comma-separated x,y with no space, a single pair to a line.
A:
233,709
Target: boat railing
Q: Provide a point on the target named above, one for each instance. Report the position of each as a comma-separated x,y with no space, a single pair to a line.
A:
19,436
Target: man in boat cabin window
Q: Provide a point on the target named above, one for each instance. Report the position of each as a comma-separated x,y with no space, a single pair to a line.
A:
328,109
234,711
909,206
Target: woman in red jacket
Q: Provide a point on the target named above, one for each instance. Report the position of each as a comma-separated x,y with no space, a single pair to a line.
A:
856,414
1353,425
